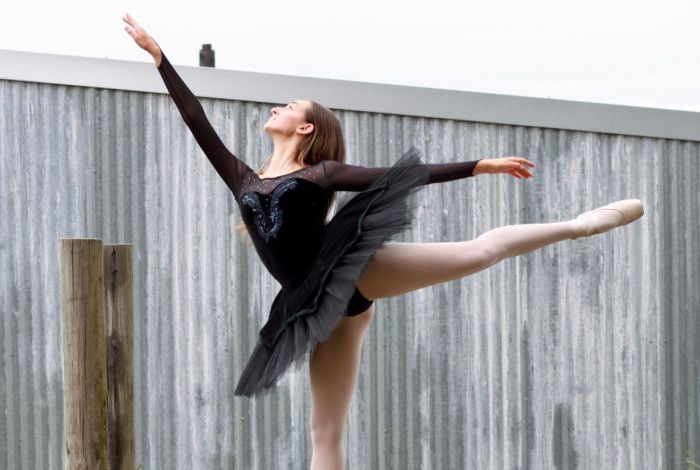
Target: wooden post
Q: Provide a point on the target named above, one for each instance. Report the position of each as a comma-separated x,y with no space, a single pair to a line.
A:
84,359
118,275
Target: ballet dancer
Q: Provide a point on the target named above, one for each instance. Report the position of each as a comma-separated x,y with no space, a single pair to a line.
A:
330,272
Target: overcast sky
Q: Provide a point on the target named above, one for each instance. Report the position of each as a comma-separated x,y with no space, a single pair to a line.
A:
641,53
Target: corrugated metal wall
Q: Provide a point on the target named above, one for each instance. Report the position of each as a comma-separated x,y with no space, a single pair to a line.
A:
584,354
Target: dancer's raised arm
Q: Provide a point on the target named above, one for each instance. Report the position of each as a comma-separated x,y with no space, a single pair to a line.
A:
227,165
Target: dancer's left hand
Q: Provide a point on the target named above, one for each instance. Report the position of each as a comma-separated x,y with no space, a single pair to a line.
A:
516,166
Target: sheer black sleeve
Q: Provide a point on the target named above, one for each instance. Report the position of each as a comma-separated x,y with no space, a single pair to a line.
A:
344,177
227,165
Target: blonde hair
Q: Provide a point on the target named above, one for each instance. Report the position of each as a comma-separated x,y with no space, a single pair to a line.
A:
326,142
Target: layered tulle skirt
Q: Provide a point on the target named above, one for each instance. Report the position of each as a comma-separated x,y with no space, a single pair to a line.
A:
305,316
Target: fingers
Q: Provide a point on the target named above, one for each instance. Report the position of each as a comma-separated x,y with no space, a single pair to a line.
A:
130,24
136,32
129,19
516,166
133,26
518,170
524,161
131,31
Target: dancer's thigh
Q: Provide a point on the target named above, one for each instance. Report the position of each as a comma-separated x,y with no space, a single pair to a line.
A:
397,268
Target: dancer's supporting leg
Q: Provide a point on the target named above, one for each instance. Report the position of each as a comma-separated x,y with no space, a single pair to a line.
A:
397,268
333,371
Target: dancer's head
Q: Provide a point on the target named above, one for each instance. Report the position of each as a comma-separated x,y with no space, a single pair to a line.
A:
308,127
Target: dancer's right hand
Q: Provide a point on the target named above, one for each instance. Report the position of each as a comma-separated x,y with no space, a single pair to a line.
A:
141,37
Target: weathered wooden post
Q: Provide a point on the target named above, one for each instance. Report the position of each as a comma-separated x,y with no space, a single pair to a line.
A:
118,276
84,356
97,316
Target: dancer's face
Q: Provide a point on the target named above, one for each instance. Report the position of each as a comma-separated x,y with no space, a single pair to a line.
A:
289,119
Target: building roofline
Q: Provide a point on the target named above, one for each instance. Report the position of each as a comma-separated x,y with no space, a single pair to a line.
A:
355,96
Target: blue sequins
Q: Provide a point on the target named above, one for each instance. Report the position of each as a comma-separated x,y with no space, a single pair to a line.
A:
269,222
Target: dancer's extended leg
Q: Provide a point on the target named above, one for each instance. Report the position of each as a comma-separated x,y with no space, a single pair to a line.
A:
397,268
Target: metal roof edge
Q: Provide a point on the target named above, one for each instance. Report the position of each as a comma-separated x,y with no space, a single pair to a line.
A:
356,96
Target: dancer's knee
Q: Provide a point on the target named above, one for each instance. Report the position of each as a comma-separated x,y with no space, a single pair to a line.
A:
327,435
481,256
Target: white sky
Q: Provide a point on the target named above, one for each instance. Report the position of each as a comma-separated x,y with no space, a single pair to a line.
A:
641,53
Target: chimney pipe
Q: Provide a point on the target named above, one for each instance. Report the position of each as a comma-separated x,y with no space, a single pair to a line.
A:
206,56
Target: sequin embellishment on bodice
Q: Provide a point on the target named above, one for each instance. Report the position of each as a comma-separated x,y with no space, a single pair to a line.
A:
267,214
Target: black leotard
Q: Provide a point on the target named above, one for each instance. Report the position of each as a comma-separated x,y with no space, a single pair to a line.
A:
284,216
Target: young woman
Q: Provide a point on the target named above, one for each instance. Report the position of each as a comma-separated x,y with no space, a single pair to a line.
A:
331,273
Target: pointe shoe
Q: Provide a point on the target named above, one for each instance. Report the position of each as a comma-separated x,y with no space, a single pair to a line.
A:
628,211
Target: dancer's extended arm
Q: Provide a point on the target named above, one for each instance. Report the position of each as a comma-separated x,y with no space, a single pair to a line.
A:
230,168
344,177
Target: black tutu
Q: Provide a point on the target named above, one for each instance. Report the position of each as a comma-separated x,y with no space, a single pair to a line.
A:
305,316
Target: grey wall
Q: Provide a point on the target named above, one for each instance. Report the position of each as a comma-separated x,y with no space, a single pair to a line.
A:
584,354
